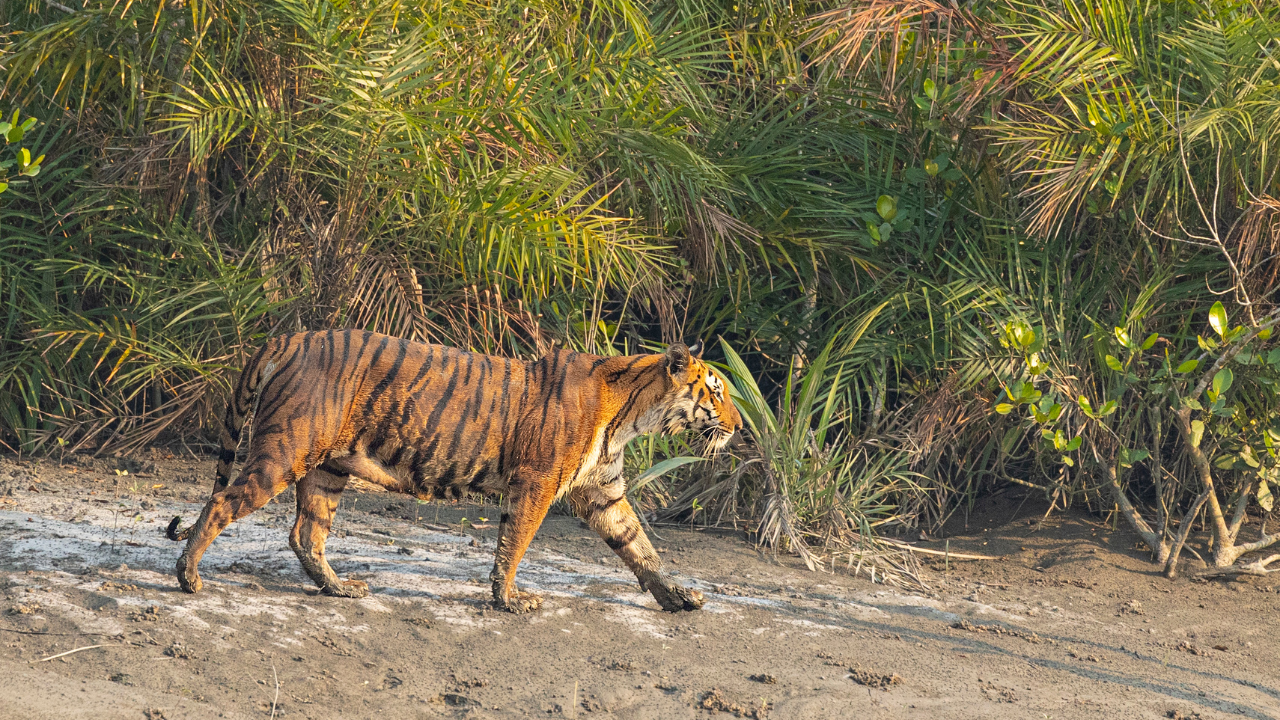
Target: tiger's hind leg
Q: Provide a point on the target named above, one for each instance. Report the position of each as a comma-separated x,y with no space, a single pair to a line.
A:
606,510
530,501
260,481
318,494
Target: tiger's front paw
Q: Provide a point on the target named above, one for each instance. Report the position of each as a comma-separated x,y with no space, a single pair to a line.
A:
348,589
519,602
188,577
674,597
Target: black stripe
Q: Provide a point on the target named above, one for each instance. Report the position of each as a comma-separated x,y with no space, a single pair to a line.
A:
433,420
564,372
396,456
477,480
601,507
279,381
471,358
480,388
619,373
411,388
546,404
333,470
619,542
227,455
448,476
459,429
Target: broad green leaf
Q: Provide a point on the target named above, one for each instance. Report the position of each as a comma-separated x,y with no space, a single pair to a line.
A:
1048,434
1265,500
1246,454
1038,344
1034,366
1023,334
931,88
1129,457
660,469
1114,363
931,167
4,186
1150,341
1188,366
885,231
1123,336
1055,412
1192,403
1004,408
1218,318
1264,334
1225,462
1222,381
1086,406
1068,461
1197,432
887,207
25,154
1107,408
1206,344
1075,443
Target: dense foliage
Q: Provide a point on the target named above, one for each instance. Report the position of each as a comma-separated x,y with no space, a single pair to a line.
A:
933,232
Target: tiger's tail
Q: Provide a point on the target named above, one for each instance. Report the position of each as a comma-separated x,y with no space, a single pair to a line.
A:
238,407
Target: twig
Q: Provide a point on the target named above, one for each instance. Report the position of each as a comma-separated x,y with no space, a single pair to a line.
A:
1171,566
277,681
44,632
55,657
926,551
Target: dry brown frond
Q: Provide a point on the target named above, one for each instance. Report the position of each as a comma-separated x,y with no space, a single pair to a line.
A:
873,33
1258,247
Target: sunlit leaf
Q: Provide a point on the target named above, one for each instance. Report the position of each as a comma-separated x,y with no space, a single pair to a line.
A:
1218,318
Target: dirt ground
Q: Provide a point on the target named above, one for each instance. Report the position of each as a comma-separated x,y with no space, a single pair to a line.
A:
1071,622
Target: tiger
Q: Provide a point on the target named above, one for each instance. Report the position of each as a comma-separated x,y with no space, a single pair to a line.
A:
433,421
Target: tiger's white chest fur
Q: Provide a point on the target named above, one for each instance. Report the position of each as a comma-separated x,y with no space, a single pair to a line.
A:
602,465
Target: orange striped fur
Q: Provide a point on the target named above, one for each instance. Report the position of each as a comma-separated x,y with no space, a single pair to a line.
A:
433,421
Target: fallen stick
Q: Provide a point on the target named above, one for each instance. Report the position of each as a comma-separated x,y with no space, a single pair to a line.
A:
69,652
939,553
44,632
276,699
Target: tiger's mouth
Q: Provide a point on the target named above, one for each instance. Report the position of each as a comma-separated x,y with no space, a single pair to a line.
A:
718,437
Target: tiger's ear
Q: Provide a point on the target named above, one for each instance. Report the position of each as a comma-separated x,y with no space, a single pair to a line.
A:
696,349
677,359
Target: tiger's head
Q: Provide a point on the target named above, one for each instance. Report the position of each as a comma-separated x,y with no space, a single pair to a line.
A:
699,398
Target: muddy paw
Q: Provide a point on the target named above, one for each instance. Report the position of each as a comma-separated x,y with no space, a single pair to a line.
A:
189,579
348,589
674,598
520,602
